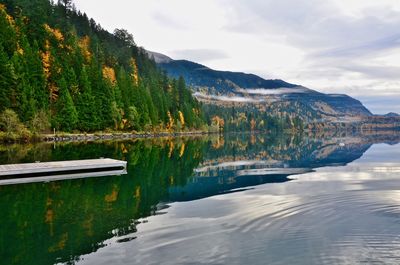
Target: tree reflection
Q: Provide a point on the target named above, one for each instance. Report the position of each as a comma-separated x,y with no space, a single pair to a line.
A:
47,223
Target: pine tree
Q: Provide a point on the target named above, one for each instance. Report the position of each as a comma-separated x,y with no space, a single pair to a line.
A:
66,116
7,80
72,82
125,87
25,102
85,105
181,87
36,76
101,90
8,36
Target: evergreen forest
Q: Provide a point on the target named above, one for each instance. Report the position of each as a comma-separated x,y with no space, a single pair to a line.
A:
61,70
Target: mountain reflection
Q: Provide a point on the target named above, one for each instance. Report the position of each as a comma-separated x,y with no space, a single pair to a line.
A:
48,223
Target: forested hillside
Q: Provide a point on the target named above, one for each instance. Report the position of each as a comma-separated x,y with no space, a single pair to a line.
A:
60,69
237,101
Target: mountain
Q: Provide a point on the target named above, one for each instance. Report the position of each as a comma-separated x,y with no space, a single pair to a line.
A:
391,114
158,57
223,81
219,87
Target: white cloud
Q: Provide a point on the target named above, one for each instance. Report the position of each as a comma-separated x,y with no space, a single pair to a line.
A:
277,91
338,46
199,55
226,98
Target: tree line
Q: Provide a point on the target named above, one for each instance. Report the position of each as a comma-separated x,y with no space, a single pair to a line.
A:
59,69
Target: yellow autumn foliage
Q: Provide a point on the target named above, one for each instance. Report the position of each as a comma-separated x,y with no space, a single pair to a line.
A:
56,32
109,74
134,75
220,142
196,111
49,217
46,59
20,50
253,124
88,225
137,192
182,150
84,44
113,196
253,139
218,121
171,121
53,90
181,119
60,244
9,18
171,148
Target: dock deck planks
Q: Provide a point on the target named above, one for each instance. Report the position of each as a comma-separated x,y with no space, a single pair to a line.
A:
62,166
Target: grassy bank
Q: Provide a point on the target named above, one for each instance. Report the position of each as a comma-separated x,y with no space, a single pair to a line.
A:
12,130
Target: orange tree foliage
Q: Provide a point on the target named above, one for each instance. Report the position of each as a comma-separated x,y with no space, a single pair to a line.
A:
55,32
171,121
218,121
181,119
135,74
84,44
253,124
109,74
46,59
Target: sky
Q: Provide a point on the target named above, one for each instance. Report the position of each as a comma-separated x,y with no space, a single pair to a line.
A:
333,46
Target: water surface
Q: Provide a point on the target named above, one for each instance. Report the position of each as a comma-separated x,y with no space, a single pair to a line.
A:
256,199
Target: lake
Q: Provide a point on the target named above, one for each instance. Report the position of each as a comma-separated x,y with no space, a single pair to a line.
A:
234,199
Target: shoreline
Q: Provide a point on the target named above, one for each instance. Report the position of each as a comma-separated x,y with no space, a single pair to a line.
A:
98,136
107,136
91,137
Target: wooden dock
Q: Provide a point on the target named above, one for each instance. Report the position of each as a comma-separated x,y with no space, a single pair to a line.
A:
47,171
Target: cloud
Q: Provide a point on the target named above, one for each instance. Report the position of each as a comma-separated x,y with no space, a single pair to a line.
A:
351,52
374,71
169,21
277,91
365,49
199,55
381,104
227,98
312,24
339,46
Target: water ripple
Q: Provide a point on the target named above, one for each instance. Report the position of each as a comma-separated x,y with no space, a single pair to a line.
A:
331,216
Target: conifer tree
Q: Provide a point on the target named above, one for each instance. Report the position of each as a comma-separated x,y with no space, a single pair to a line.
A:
66,116
85,104
34,74
7,80
181,87
8,36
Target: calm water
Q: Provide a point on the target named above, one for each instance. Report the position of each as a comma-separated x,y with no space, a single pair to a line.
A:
242,199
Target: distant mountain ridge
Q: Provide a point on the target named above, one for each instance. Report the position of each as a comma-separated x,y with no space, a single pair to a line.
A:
225,81
158,57
217,87
392,114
